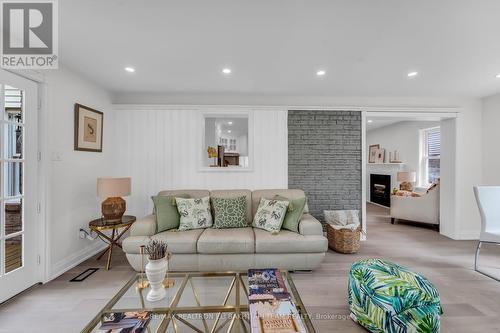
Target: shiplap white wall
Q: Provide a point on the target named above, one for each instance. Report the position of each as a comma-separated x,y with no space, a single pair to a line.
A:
160,148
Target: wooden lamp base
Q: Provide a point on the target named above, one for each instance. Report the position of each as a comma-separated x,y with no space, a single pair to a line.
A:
113,209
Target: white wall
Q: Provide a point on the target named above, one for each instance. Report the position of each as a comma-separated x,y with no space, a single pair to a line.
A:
491,140
468,129
71,185
403,137
159,147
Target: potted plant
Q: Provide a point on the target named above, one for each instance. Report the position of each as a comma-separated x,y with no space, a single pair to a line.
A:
156,269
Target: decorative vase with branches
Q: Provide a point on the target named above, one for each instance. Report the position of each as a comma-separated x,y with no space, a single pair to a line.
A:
156,269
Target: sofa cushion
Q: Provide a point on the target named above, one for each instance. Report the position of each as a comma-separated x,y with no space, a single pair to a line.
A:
270,194
288,242
270,214
226,241
177,241
195,213
180,241
229,212
235,194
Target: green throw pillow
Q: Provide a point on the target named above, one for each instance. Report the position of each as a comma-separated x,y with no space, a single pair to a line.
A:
167,216
270,215
294,213
229,212
195,213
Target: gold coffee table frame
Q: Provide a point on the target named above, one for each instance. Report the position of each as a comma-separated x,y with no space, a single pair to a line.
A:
172,312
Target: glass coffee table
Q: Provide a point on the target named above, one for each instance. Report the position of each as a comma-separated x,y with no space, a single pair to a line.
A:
204,302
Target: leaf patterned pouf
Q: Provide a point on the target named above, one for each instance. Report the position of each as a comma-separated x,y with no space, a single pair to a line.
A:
385,297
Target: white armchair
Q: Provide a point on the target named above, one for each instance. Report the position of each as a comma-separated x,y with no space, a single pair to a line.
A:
488,199
424,209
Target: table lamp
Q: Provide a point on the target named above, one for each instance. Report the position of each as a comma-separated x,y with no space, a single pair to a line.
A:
406,179
111,190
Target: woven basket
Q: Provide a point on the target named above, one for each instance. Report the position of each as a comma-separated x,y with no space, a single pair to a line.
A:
343,240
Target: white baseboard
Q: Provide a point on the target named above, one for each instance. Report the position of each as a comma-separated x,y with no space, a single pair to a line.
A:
75,259
468,235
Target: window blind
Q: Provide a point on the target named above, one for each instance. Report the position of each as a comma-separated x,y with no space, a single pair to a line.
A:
434,143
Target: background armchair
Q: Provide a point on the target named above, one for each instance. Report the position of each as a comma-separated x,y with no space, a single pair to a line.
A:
424,209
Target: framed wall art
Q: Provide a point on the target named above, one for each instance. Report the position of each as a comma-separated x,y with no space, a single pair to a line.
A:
88,128
372,153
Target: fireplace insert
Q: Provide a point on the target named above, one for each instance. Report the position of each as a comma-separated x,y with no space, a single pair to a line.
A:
380,189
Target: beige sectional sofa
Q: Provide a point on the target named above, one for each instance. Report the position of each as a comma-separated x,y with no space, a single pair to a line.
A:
237,248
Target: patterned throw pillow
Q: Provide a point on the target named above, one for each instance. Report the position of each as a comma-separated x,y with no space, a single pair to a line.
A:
270,215
195,213
229,212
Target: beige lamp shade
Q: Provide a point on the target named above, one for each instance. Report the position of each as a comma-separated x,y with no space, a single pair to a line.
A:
407,176
113,187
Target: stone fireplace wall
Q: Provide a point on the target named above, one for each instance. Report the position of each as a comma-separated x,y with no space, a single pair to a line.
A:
324,158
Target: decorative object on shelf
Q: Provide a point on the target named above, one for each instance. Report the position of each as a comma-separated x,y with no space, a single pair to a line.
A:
112,189
372,153
156,269
380,156
142,283
88,129
394,157
212,153
100,225
406,179
220,156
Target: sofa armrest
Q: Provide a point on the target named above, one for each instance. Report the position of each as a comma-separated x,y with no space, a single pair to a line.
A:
144,227
310,226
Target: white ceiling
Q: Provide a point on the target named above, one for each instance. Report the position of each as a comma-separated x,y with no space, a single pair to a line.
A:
275,47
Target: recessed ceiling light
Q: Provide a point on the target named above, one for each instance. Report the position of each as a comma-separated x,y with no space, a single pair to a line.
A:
412,74
230,122
498,76
321,72
370,121
226,71
130,69
229,131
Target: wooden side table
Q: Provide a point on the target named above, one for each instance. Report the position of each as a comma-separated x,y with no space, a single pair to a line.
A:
100,225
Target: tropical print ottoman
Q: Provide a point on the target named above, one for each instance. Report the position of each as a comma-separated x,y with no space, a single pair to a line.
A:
385,297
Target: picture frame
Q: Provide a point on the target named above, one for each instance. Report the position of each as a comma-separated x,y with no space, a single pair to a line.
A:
372,153
380,156
88,129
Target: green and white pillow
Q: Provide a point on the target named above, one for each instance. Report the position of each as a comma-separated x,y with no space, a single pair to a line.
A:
270,215
195,213
229,212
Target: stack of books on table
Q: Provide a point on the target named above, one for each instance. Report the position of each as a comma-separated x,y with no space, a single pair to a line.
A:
125,322
270,304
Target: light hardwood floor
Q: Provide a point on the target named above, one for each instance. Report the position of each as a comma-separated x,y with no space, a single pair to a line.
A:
470,300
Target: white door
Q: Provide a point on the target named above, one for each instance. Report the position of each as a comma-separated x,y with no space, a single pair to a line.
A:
18,184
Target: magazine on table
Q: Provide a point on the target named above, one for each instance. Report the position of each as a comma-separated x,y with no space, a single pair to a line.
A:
266,283
270,305
125,322
275,316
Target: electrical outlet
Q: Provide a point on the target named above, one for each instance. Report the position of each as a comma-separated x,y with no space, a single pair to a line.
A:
82,234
